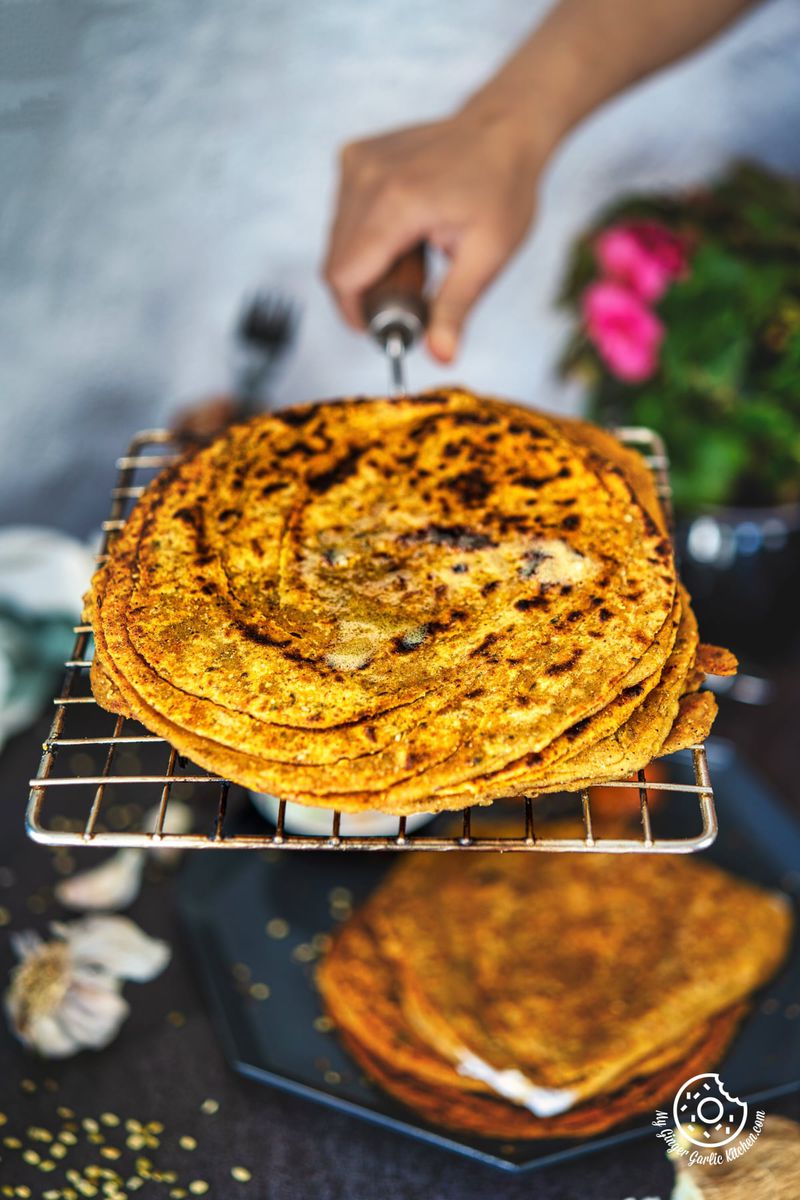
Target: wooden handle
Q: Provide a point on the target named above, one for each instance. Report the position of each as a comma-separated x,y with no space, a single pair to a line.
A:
398,297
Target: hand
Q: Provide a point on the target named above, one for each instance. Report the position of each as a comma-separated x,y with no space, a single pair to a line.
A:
466,185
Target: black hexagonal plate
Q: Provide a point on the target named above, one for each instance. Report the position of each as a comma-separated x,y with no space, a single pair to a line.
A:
253,919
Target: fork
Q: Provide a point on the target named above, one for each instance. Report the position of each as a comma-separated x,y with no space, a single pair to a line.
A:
265,330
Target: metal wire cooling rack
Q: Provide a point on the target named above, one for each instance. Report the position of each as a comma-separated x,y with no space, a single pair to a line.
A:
99,772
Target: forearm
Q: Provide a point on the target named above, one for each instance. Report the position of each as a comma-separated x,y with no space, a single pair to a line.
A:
586,51
467,184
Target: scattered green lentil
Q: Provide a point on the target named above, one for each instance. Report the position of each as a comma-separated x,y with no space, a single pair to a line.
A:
12,1143
304,953
110,1152
27,1085
209,1107
332,1077
65,1112
30,1156
259,991
277,928
187,1142
5,916
37,1134
241,1174
323,1024
198,1187
3,1119
110,1119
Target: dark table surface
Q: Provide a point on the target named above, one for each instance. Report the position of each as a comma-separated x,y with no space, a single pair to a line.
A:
166,1062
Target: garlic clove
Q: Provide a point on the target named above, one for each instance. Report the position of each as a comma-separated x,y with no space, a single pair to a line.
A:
114,884
92,1015
178,819
49,1038
115,945
25,942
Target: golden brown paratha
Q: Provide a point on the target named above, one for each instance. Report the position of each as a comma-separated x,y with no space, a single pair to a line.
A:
493,1117
715,660
692,725
567,944
361,993
250,767
576,970
369,604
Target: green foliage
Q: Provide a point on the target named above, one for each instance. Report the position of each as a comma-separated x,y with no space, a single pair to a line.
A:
726,396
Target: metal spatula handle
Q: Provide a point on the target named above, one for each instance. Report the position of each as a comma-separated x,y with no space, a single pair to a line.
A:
396,311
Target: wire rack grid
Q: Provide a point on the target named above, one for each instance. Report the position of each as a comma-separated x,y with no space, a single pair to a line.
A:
101,772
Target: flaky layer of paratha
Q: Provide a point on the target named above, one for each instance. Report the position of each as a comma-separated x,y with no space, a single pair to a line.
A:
576,971
389,604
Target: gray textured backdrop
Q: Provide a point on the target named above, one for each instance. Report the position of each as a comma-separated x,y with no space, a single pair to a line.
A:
159,160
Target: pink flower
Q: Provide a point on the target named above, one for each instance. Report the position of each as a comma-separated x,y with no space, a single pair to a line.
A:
624,330
644,255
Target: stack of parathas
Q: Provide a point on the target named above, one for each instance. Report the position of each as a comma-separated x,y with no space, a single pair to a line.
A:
403,605
548,1002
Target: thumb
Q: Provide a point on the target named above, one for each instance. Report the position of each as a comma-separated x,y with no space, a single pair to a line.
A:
473,267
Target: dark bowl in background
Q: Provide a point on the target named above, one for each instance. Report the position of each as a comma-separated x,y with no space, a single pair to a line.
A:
742,569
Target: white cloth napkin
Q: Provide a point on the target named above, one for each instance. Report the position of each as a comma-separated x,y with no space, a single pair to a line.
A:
43,575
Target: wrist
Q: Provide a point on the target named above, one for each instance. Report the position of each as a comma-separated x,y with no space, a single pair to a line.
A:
524,115
541,92
508,119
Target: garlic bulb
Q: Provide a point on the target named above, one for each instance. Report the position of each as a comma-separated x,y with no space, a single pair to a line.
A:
65,994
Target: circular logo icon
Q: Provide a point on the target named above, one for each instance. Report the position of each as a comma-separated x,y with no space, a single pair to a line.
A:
705,1114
